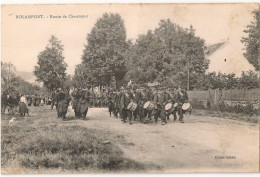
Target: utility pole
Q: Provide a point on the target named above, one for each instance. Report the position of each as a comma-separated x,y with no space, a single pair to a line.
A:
188,83
258,67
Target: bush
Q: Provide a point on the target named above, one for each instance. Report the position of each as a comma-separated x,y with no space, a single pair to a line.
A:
248,109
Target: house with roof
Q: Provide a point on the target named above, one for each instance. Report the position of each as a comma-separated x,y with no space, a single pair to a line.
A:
225,58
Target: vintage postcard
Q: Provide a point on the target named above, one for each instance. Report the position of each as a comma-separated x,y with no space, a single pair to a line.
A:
130,88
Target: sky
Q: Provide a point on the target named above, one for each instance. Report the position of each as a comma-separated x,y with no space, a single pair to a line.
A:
24,39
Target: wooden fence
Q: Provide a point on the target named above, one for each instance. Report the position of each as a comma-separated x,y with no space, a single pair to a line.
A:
217,95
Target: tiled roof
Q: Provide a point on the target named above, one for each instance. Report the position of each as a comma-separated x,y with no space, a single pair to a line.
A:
213,48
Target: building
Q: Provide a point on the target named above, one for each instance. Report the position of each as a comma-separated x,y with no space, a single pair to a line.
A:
226,59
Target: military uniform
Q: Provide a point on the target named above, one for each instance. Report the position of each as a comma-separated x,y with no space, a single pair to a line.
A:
159,102
125,100
60,98
116,103
168,99
119,104
181,97
75,102
137,98
84,103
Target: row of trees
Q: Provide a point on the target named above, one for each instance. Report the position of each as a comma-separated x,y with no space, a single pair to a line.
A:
247,80
169,55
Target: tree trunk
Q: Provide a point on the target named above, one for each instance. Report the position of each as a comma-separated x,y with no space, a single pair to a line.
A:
119,83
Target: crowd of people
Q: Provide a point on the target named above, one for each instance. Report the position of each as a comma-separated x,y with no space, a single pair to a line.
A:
139,103
12,100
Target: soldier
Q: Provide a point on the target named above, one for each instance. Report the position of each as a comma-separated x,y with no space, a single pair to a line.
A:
137,99
159,102
119,102
150,96
110,103
168,99
143,99
116,103
84,103
76,94
60,97
126,98
65,103
181,97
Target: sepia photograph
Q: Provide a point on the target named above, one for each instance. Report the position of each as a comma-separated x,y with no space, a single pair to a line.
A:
130,88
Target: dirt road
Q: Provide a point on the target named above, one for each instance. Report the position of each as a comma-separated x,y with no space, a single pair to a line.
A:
201,144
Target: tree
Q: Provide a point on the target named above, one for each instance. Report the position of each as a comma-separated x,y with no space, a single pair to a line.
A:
79,79
170,55
103,56
12,83
248,80
68,81
252,41
144,59
7,76
51,66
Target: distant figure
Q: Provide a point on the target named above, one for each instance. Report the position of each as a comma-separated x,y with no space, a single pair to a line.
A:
29,100
84,102
76,94
63,103
22,106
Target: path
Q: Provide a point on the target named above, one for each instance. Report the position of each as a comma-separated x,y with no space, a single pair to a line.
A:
196,146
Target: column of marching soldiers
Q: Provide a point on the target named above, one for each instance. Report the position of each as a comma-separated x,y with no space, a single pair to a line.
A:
139,103
130,103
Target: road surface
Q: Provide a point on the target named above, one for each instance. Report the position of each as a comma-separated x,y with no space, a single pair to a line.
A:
201,144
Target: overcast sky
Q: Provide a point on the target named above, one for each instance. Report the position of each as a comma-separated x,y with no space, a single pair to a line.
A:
23,39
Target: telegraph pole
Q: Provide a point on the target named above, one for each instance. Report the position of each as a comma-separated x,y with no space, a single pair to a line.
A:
188,83
258,72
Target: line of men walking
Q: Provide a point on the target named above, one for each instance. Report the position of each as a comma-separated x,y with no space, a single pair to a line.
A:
150,102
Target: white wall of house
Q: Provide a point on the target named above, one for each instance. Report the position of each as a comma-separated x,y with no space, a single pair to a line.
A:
227,60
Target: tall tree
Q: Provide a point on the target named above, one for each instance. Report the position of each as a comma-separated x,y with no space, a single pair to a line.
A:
51,66
170,55
252,41
104,53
